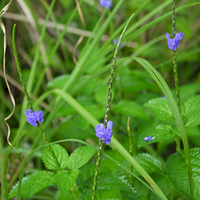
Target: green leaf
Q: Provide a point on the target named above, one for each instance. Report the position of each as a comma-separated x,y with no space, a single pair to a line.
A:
58,82
112,194
107,182
79,157
101,95
191,110
193,119
149,163
85,173
130,108
65,180
187,91
178,171
49,159
191,105
33,183
161,132
160,108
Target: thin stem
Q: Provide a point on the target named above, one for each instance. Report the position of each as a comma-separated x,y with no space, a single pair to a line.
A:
130,148
97,169
108,106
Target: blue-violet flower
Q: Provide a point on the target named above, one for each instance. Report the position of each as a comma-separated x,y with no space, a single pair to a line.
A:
116,41
34,117
174,43
106,3
149,138
104,134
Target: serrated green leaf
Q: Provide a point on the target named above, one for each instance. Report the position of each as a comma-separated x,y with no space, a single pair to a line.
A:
65,180
130,108
33,183
193,119
52,163
149,163
85,173
191,105
112,194
160,108
159,133
178,171
79,157
108,182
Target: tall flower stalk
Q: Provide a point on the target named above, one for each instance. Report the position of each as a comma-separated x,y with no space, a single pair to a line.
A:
175,68
33,117
104,131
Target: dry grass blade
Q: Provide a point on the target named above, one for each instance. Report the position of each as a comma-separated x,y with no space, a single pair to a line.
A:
82,36
2,12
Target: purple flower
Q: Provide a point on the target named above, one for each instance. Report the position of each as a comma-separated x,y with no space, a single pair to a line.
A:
104,134
116,41
34,117
149,138
174,43
106,3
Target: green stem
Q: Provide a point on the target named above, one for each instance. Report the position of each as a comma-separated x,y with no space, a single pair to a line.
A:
130,148
97,169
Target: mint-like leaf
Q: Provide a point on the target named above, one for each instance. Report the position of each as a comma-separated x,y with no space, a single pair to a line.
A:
178,171
49,159
79,157
33,183
65,180
160,108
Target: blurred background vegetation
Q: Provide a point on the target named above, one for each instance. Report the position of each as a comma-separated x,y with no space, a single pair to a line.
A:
54,67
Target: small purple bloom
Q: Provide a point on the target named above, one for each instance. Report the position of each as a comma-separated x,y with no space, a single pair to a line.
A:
149,138
174,43
104,134
116,41
106,3
34,117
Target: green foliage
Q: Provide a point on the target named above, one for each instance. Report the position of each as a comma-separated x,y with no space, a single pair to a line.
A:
160,132
160,108
178,172
108,182
73,97
55,160
64,180
112,194
149,163
79,157
131,108
191,110
33,183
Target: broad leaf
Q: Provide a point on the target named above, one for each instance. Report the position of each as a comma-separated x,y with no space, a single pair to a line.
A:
131,108
191,110
193,119
178,171
55,160
149,163
112,194
191,105
107,182
33,183
65,180
79,157
159,133
160,108
187,91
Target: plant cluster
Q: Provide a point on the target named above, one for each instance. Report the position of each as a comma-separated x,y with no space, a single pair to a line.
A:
93,118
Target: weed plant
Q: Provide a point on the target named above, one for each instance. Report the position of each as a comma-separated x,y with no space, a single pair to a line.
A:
99,100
